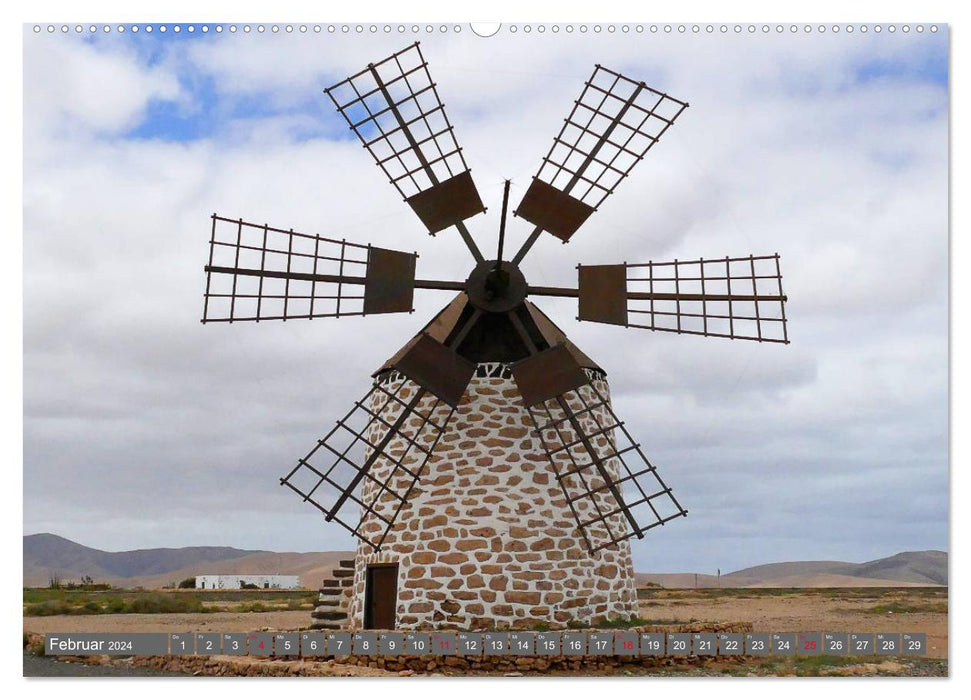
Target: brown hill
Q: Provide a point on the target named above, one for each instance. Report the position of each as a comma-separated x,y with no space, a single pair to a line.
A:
926,568
311,567
678,580
47,555
754,574
825,580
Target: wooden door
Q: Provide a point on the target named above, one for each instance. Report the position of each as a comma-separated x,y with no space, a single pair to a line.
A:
381,596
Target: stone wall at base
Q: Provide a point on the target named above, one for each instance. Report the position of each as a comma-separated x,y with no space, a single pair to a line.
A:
487,539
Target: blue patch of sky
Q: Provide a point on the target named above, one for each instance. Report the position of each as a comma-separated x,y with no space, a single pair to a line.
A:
896,160
924,62
210,115
926,65
204,112
207,113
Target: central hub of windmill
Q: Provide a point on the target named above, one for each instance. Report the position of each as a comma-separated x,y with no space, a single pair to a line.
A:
496,288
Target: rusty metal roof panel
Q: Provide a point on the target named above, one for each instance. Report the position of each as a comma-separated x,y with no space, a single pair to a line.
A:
438,328
553,336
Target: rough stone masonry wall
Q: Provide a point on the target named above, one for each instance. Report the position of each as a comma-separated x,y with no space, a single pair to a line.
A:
487,539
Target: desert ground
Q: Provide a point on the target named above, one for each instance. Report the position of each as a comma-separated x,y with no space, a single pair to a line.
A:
809,610
904,609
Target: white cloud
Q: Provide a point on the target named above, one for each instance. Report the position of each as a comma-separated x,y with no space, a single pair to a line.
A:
78,86
134,410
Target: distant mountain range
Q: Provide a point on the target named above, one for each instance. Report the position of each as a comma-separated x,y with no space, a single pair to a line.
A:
47,555
926,568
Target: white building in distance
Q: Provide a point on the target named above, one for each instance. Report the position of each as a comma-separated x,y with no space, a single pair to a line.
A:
229,581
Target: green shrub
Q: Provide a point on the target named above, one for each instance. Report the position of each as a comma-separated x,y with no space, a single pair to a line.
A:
155,603
47,608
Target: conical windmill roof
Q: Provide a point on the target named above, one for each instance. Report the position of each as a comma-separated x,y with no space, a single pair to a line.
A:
477,347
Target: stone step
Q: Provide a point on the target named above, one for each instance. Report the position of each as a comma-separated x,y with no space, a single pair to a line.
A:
346,564
328,615
342,573
331,591
330,583
328,606
324,625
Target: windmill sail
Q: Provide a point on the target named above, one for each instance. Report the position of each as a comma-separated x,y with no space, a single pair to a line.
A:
397,422
261,273
376,454
739,298
611,488
610,129
394,108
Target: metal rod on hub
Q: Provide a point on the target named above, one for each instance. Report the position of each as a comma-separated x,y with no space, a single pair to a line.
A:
533,237
661,296
335,279
502,223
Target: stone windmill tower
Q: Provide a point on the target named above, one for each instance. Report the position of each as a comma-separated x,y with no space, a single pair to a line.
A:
485,473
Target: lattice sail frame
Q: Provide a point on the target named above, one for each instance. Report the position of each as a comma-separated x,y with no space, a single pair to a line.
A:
632,499
610,129
394,108
639,115
739,298
238,244
373,457
257,272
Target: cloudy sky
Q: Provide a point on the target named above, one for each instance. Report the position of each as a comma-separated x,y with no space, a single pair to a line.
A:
144,428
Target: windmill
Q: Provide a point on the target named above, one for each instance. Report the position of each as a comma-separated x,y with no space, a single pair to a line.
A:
484,472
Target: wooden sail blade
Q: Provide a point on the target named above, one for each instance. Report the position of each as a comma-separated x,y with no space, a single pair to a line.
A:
361,474
602,293
389,282
548,374
394,108
610,129
436,368
258,272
